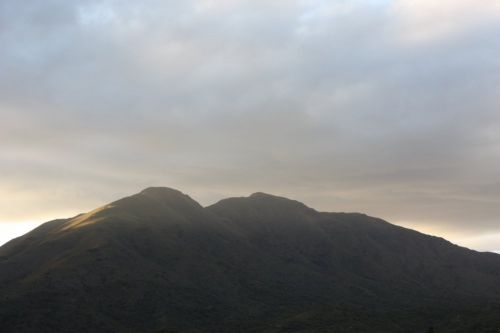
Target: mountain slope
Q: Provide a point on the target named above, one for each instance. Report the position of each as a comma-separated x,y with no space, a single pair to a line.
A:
157,261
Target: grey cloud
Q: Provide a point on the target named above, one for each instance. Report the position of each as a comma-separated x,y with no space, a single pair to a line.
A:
327,103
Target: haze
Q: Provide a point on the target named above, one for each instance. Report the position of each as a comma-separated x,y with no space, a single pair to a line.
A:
389,108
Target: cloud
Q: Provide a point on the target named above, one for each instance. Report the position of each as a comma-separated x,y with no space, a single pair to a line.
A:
385,107
431,21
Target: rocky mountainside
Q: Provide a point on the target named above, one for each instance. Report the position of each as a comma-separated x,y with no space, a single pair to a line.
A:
157,261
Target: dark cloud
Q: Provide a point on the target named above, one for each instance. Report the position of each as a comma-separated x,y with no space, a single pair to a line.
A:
390,108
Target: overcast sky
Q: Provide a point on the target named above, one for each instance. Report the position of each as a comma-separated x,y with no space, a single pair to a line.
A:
391,108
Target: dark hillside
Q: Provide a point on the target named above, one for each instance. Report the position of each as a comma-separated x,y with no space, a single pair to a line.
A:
157,261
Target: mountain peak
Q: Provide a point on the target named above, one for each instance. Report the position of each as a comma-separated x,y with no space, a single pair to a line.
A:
263,195
265,198
263,204
150,204
169,196
159,192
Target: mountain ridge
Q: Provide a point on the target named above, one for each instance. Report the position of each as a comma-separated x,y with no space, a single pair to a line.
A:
157,261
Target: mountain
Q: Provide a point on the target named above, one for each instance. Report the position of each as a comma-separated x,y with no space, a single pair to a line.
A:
158,261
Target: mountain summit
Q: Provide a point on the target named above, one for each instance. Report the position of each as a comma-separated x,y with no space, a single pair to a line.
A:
157,261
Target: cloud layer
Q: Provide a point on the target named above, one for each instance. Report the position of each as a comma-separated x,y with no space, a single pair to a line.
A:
385,107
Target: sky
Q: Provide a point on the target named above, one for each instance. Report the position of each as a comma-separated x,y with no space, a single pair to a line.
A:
386,107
